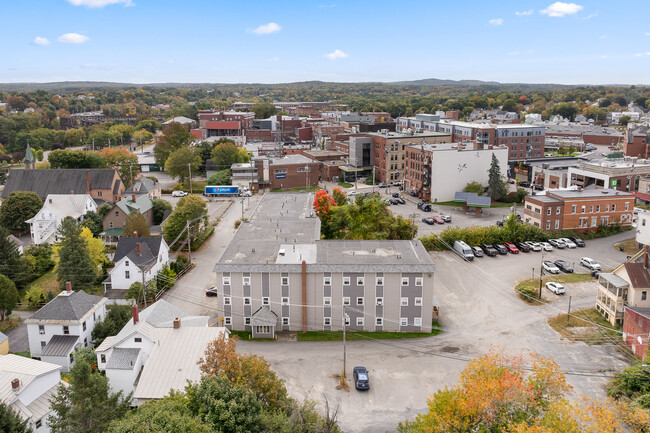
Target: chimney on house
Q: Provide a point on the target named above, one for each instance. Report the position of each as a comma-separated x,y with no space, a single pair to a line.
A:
87,181
135,314
135,234
139,248
15,384
177,323
50,200
645,257
133,197
68,287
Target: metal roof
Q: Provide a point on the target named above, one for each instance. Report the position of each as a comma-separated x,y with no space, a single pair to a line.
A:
60,345
638,274
63,205
614,280
38,408
123,358
21,368
264,317
57,181
67,307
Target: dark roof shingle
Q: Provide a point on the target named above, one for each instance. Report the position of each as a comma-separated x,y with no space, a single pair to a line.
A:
67,307
58,181
150,247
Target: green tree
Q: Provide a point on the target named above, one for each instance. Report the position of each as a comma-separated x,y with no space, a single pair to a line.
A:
103,210
11,263
188,208
227,408
159,208
136,223
68,158
496,187
8,296
142,136
474,187
222,177
75,264
566,110
123,133
10,421
86,405
41,255
94,222
171,414
176,137
179,162
151,125
165,278
99,140
135,291
264,110
116,318
226,154
18,208
509,105
624,120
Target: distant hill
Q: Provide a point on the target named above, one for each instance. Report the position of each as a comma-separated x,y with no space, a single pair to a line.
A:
439,82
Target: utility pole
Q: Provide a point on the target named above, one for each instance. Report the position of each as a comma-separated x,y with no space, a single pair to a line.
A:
413,216
568,313
189,167
242,210
373,179
189,245
541,273
345,316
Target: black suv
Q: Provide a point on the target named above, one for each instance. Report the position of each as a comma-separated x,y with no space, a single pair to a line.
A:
501,248
524,184
425,207
579,242
361,380
564,266
522,247
489,250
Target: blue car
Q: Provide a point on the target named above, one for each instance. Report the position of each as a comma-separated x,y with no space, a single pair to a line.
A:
361,381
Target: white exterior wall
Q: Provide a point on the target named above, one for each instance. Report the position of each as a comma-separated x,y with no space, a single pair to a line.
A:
38,386
44,226
145,347
123,380
643,228
585,173
118,273
51,330
63,361
452,170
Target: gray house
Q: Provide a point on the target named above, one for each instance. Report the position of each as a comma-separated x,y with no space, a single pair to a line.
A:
276,263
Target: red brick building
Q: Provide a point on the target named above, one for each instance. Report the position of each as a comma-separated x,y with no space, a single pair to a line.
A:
214,123
291,171
636,329
637,141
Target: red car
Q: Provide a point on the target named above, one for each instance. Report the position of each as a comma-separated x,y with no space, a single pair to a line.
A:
438,220
511,247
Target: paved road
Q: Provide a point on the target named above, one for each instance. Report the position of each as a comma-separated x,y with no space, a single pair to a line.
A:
18,341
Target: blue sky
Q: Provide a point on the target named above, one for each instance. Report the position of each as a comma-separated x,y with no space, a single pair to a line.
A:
152,41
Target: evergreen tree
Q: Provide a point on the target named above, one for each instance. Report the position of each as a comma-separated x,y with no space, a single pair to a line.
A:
8,296
496,187
86,405
75,264
11,263
10,422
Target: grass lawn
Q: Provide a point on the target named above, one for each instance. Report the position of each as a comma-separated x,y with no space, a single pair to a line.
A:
587,326
9,324
629,246
47,282
198,186
24,353
345,185
246,335
351,336
531,285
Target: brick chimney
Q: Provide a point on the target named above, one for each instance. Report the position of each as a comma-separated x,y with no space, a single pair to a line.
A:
68,287
87,181
138,248
50,200
135,314
135,234
177,323
15,384
133,198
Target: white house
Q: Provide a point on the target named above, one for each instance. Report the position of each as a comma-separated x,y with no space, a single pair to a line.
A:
26,386
156,351
133,256
63,325
45,223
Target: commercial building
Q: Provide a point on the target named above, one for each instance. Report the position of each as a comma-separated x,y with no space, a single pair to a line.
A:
551,173
590,134
213,123
636,143
580,210
622,174
277,275
290,171
437,171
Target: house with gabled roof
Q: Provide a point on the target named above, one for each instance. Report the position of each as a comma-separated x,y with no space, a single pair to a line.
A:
144,186
135,256
4,344
63,325
45,224
156,351
115,220
26,387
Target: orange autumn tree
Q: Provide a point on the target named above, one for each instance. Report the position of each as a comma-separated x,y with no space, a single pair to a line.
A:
123,161
498,393
323,204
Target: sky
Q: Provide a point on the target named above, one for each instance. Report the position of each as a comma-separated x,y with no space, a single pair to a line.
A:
264,41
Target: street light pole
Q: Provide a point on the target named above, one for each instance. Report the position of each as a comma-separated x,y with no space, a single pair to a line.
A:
541,273
345,316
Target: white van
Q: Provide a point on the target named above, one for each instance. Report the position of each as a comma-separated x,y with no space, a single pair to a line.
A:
463,250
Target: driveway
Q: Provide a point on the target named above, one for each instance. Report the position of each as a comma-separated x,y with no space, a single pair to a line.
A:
18,341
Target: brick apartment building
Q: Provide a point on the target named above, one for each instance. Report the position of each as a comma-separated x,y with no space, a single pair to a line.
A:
580,210
213,123
637,141
291,171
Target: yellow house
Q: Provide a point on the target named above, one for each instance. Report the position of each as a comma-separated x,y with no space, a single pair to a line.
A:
4,344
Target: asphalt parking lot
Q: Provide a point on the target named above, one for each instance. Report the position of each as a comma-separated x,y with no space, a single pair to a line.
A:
479,311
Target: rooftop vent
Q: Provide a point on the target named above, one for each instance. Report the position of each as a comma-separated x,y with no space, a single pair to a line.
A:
282,252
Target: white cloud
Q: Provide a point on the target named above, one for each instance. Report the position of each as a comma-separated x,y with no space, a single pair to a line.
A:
266,29
524,13
560,9
513,53
73,38
99,3
647,33
496,22
642,54
41,41
336,54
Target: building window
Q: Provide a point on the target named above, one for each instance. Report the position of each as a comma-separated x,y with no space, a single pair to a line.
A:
597,208
346,281
285,321
247,320
285,300
327,281
85,341
360,281
38,423
606,208
117,213
359,321
583,209
405,281
379,281
126,263
225,281
379,301
247,300
548,225
591,208
404,302
138,339
346,300
127,275
418,302
227,300
418,281
627,205
71,358
403,321
594,221
43,344
246,281
66,330
41,328
548,211
227,320
285,281
417,321
266,301
644,295
557,224
379,321
327,300
347,320
327,321
360,301
83,325
573,209
102,358
613,207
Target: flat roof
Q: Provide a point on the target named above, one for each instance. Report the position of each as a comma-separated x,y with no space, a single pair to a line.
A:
585,193
415,134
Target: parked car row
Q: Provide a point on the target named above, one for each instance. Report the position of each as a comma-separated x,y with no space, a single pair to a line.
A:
431,220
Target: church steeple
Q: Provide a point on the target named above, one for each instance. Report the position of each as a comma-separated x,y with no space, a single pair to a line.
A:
30,161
